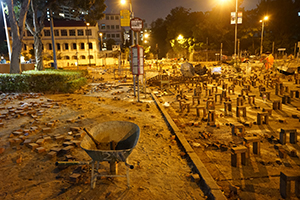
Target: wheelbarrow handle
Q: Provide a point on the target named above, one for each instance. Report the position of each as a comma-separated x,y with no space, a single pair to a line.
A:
58,163
90,135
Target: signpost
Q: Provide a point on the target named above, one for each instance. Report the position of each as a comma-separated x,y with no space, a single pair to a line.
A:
137,53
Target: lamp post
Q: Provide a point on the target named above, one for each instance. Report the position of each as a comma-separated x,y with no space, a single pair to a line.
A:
88,42
100,34
6,31
131,17
262,33
235,31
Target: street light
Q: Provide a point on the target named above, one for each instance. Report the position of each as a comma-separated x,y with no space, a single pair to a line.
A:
131,17
100,34
262,33
235,31
88,43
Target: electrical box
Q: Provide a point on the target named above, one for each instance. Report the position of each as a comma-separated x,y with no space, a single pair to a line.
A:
137,60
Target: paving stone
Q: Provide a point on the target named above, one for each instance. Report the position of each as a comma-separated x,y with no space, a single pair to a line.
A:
27,141
33,146
65,144
55,149
69,138
76,142
67,149
75,177
46,130
1,125
40,141
17,133
52,154
59,138
40,149
2,150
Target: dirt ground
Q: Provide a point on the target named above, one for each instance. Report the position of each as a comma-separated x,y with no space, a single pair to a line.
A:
161,169
29,172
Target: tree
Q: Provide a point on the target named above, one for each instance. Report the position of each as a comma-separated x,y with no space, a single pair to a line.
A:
17,24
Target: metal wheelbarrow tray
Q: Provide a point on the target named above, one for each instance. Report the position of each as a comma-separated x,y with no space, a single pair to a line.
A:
124,136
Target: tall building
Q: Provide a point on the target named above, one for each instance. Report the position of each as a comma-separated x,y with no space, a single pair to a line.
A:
110,28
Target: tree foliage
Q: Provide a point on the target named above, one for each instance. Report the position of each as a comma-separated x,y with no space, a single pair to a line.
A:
208,30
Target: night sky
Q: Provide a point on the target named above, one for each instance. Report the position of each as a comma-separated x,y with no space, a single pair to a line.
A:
150,10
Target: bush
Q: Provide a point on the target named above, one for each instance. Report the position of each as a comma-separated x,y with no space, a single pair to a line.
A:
48,81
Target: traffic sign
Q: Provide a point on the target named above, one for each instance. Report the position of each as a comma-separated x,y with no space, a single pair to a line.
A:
136,24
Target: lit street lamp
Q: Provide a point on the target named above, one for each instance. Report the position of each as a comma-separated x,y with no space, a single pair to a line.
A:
88,43
100,34
262,33
131,17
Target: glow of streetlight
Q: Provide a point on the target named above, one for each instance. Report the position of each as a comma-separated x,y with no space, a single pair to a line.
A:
180,37
123,2
87,24
146,35
262,33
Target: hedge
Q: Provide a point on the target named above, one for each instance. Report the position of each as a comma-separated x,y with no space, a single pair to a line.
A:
48,81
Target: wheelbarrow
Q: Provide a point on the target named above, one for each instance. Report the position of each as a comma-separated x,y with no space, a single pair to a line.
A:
111,141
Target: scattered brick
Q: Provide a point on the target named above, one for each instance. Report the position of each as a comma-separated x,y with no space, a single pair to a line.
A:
75,177
50,124
70,120
17,133
47,138
59,138
76,142
19,160
2,150
27,141
40,141
75,129
33,146
195,177
1,125
52,154
46,130
67,149
65,144
40,149
68,138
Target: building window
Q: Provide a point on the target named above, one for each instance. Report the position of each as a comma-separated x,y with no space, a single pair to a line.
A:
107,17
74,57
66,46
72,32
74,46
82,45
90,57
80,32
63,32
82,57
28,33
50,46
90,45
117,27
113,35
67,57
112,17
102,26
46,32
116,17
117,35
56,32
108,35
107,27
112,26
88,32
58,46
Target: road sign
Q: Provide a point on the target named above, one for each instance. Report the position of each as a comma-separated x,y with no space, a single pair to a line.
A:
125,17
136,24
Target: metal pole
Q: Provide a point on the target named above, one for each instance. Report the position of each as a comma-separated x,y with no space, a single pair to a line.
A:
88,43
221,52
235,32
132,43
262,36
6,32
53,41
239,48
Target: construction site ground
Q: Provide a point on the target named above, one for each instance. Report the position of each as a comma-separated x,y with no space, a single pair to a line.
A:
162,168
